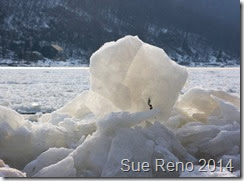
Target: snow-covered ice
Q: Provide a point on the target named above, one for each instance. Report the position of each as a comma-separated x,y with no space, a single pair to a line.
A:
40,90
6,171
224,79
133,110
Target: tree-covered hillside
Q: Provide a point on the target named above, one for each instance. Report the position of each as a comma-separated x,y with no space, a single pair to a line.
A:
202,32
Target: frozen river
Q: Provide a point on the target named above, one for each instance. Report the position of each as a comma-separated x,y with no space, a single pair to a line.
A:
31,90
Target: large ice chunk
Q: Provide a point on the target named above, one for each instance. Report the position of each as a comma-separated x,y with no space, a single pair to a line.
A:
20,138
6,171
208,124
135,76
64,168
199,105
49,157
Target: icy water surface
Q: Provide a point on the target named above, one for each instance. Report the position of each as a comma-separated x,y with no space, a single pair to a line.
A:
32,90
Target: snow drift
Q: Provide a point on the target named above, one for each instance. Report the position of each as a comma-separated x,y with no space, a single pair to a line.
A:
134,111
